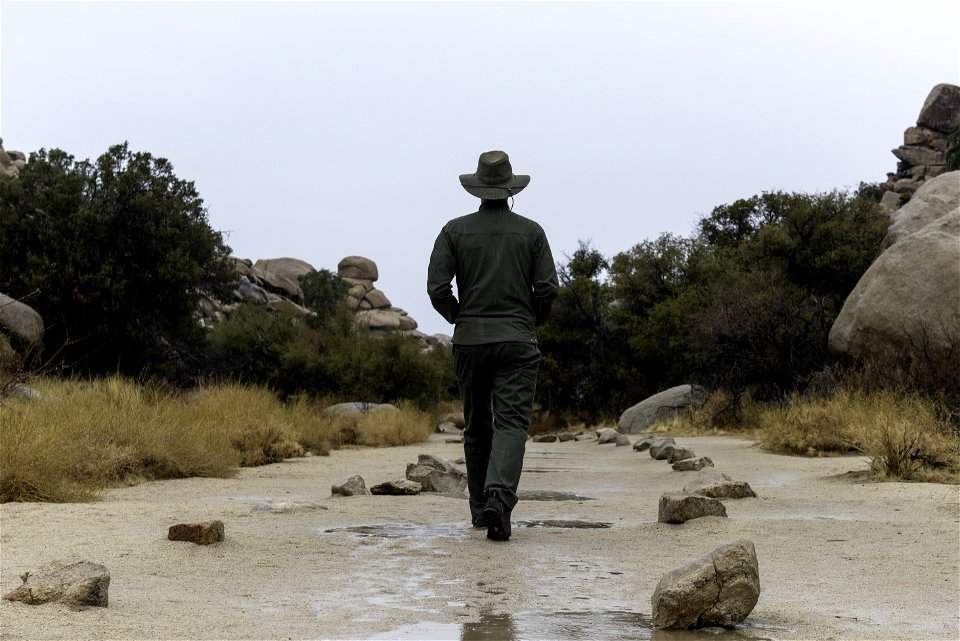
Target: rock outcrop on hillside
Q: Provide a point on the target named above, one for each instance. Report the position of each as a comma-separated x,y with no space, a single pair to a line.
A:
11,162
922,155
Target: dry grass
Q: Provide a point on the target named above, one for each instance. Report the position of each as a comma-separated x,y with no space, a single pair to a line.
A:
85,436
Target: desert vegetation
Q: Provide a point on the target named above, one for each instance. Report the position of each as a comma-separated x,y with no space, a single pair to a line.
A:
116,255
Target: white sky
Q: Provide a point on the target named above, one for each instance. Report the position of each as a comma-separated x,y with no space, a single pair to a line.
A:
320,130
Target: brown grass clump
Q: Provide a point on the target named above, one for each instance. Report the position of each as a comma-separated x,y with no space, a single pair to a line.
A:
719,413
901,434
82,436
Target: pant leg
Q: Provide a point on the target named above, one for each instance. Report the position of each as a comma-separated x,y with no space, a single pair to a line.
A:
475,379
514,386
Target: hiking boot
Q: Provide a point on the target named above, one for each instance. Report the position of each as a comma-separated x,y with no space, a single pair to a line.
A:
497,518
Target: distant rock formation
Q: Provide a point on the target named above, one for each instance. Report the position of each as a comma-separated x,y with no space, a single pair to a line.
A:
922,155
11,162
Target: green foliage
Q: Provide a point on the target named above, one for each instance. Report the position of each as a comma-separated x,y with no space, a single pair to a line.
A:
118,253
744,305
257,344
323,292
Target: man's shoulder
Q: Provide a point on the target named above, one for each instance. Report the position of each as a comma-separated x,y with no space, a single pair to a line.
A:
478,221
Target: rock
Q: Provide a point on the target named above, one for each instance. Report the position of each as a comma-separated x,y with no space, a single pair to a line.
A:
7,165
377,299
941,109
350,486
290,307
454,417
890,201
199,533
935,199
248,292
718,485
666,404
622,440
22,321
382,319
908,298
358,408
279,284
23,391
402,487
584,437
435,474
563,437
680,507
70,581
284,507
660,448
644,444
924,137
718,589
290,268
606,435
357,267
915,155
545,438
680,453
692,464
448,428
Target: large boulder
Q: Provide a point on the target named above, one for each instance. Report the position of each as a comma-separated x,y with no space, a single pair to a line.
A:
941,110
909,295
290,268
663,405
71,581
718,589
21,321
279,284
935,199
357,267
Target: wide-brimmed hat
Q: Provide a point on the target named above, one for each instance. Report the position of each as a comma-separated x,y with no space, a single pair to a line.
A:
494,178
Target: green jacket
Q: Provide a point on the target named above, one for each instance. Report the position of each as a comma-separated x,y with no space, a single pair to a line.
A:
506,280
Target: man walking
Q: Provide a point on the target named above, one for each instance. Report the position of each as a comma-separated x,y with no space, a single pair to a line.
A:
506,282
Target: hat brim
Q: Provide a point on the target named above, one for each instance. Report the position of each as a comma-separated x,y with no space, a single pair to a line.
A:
479,189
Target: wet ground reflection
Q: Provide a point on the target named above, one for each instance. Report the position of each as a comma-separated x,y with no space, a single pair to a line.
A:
437,530
561,626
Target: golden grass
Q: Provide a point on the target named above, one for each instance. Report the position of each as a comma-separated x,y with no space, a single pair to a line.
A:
900,433
85,436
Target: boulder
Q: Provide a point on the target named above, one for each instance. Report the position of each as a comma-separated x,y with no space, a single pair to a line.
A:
357,267
622,440
382,319
545,438
251,293
606,435
358,408
666,404
935,199
941,109
718,589
718,485
678,453
279,284
199,533
660,449
70,581
21,321
692,464
910,295
377,299
350,486
290,268
23,391
563,437
680,507
435,474
401,487
644,444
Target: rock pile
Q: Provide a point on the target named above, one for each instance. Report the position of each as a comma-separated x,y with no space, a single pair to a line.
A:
923,153
370,306
11,162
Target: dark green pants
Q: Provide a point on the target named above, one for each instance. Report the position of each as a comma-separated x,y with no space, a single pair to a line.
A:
497,384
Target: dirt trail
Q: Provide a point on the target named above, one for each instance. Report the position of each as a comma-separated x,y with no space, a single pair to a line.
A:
840,558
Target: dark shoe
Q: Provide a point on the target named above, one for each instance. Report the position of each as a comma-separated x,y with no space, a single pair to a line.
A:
497,519
479,521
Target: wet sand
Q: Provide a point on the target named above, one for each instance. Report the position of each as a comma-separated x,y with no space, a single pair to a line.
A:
840,557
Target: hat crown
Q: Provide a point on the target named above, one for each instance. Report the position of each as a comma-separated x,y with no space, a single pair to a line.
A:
494,168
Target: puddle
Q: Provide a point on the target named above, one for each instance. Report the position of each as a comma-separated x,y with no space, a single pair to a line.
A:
453,530
403,530
586,525
550,495
560,626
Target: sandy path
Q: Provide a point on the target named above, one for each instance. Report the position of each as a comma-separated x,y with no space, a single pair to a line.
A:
839,558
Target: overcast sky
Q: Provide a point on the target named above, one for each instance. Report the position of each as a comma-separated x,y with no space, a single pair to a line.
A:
319,130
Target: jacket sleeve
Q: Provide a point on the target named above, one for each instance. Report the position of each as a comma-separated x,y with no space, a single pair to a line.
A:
545,284
440,273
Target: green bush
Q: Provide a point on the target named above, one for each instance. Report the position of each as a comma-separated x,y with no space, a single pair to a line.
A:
115,256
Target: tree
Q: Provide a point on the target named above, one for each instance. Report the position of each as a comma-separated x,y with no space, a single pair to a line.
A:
119,253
